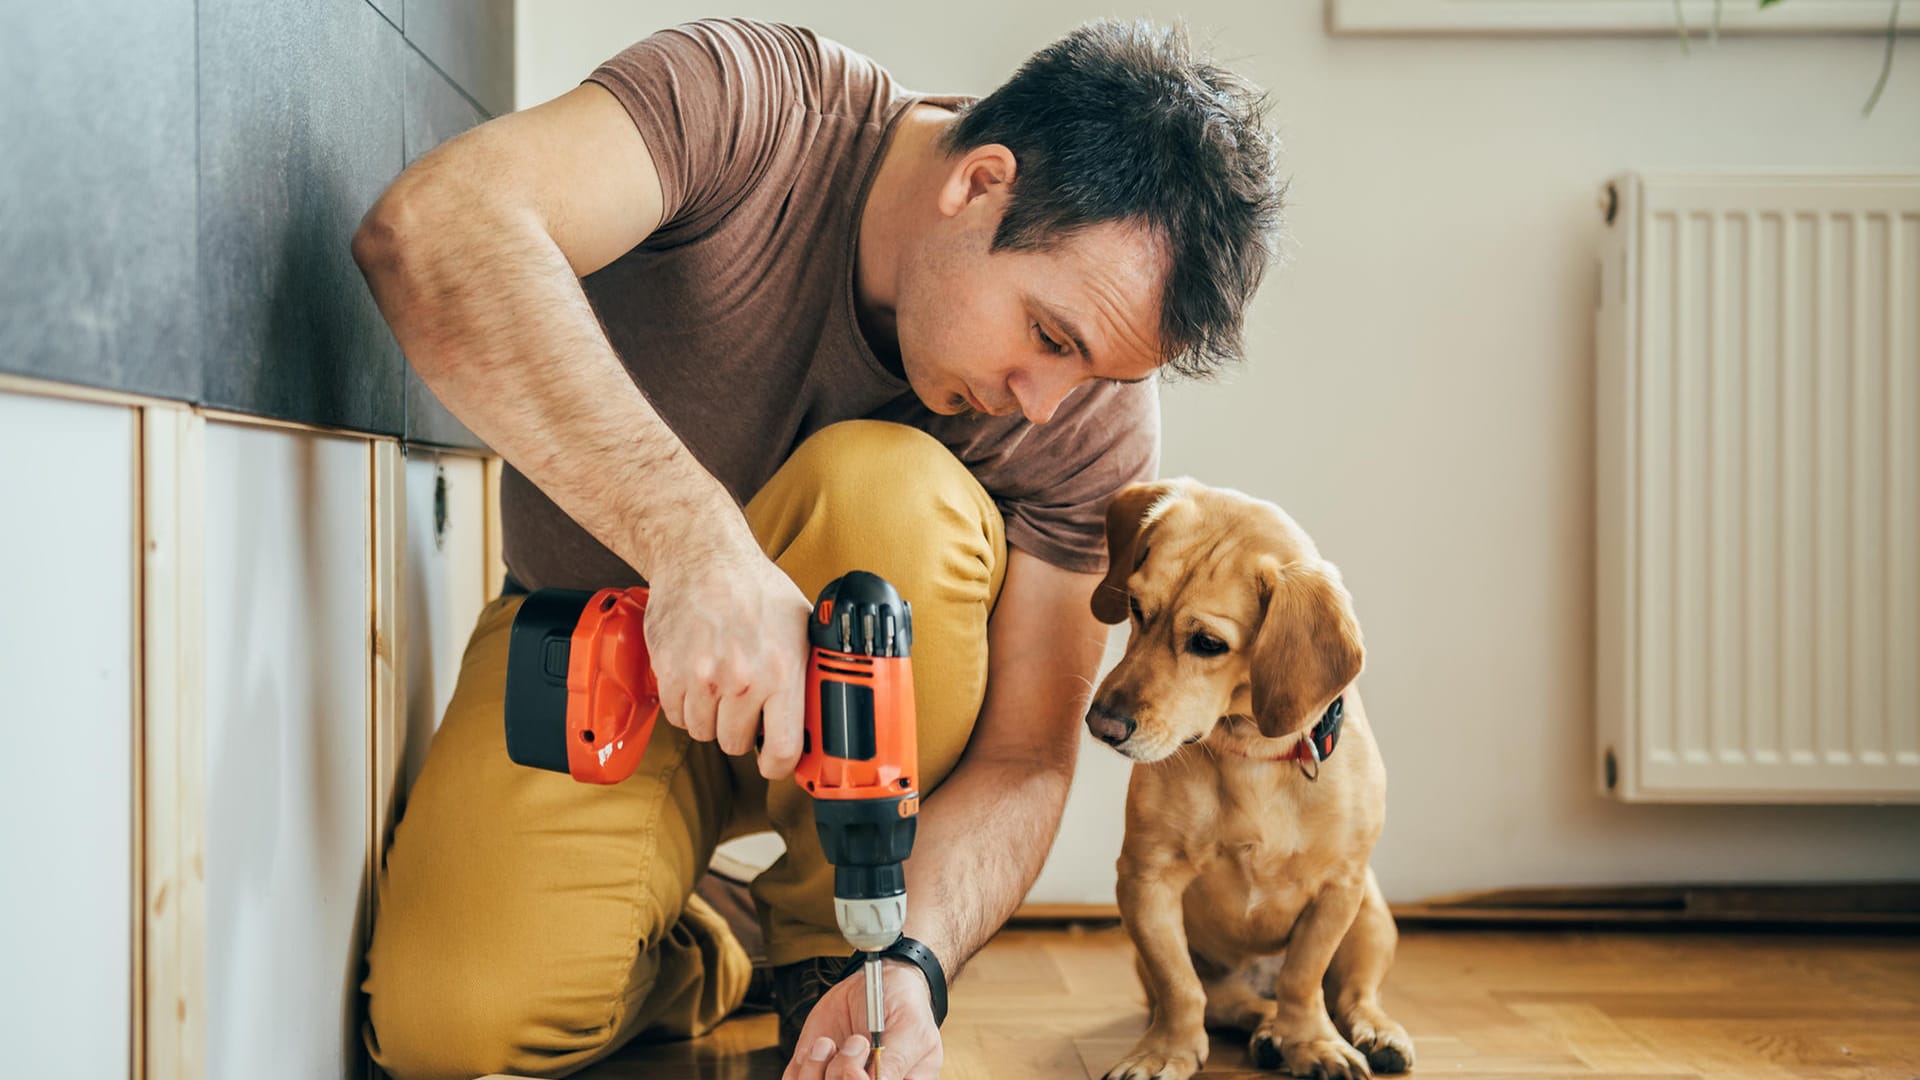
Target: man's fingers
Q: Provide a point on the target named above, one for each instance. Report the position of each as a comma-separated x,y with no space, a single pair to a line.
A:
699,707
782,722
851,1062
736,720
810,1059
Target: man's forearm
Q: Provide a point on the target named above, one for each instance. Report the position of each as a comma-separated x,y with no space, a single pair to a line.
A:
985,832
982,839
518,355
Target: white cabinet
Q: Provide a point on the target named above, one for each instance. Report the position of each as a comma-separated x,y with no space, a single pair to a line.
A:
67,904
445,588
287,771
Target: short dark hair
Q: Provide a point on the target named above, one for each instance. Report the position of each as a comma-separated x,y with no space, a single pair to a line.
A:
1121,121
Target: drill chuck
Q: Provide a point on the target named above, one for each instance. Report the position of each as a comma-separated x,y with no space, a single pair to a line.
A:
867,841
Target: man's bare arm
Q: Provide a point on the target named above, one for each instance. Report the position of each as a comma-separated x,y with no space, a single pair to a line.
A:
985,833
474,255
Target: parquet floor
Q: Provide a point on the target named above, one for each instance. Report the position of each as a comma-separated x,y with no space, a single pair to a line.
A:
1479,1003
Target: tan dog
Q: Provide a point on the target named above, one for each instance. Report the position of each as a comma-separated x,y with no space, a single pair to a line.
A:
1244,650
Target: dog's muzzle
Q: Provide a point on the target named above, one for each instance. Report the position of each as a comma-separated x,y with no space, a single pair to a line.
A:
1109,727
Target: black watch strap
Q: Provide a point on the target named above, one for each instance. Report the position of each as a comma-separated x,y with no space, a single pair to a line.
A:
917,954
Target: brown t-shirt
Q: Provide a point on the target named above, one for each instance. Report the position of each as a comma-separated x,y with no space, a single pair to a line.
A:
736,317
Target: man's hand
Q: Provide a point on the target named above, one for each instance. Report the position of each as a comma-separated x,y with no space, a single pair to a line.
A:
833,1044
728,639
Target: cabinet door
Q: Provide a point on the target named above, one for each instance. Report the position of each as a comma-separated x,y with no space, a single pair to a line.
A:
445,588
287,634
66,708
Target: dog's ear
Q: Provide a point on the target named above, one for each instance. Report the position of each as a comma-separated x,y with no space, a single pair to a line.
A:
1126,516
1308,648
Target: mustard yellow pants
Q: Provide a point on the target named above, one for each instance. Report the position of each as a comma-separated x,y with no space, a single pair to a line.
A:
532,924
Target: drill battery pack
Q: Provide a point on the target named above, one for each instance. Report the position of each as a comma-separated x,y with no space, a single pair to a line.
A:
581,696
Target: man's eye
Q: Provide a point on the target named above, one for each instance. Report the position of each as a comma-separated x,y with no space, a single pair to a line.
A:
1052,345
1204,644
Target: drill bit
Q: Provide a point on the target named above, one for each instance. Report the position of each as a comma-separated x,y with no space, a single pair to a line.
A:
876,1010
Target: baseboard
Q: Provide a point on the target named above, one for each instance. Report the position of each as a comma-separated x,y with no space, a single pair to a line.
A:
1874,904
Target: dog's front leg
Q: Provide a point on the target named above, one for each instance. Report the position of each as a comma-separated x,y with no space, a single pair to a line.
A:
1175,1045
1301,1035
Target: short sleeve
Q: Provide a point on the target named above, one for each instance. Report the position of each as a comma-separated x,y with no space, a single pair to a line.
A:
710,99
1052,481
1055,503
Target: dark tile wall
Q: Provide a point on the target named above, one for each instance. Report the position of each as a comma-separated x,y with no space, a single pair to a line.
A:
435,111
472,42
97,195
393,10
182,180
299,133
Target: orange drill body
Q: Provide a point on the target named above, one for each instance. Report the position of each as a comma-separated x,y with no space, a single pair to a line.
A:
612,699
581,698
840,763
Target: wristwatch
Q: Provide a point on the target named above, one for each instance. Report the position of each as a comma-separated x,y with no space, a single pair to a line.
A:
917,954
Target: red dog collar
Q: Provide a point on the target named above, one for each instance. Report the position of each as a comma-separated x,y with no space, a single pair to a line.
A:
1319,743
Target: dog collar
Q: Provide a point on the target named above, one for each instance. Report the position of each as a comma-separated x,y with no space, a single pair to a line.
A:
1319,743
1324,736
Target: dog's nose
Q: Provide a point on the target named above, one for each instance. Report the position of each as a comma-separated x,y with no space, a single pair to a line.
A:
1110,728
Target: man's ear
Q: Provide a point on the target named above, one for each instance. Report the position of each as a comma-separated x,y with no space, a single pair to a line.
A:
1126,521
974,173
1308,648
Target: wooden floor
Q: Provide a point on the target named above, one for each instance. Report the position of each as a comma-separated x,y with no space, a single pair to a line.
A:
1479,1003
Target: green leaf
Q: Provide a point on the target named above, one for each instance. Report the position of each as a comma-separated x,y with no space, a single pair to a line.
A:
1768,3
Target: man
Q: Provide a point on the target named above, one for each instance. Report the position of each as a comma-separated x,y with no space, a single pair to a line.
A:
741,315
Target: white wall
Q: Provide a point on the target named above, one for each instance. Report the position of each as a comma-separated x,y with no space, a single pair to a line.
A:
445,590
67,904
1420,389
287,635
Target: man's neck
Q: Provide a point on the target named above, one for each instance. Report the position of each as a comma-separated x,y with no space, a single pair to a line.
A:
891,215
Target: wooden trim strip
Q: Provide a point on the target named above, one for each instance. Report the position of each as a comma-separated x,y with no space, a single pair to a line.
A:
26,384
137,901
495,560
172,715
386,529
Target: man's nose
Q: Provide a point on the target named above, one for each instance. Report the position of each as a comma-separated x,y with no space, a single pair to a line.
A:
1041,392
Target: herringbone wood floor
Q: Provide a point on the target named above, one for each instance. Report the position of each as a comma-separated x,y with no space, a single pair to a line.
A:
1479,1003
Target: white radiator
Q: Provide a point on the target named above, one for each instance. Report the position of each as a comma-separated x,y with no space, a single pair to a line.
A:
1758,407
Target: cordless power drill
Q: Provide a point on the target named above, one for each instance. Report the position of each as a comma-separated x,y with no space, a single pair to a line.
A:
582,699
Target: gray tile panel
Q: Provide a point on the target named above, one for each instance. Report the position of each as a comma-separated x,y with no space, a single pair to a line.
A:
300,131
435,112
97,195
470,40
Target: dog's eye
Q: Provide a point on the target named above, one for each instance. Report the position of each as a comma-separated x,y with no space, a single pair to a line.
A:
1204,644
1133,605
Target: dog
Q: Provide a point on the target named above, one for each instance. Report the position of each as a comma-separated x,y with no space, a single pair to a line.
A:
1258,791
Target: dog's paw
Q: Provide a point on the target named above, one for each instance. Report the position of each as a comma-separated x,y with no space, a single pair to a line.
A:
1315,1058
1264,1051
1162,1056
1388,1047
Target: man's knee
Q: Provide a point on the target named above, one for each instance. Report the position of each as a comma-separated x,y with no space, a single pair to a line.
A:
466,1015
890,487
426,1021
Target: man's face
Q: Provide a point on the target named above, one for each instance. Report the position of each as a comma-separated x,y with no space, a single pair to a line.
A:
1007,331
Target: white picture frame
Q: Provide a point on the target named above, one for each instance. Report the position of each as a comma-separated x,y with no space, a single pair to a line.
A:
1641,17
